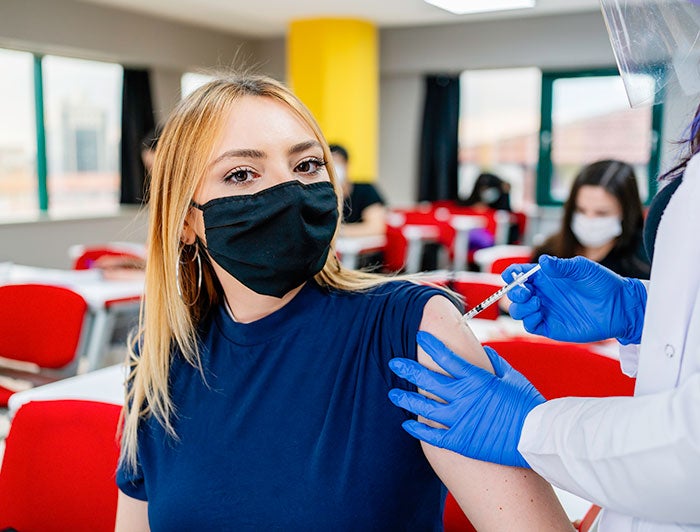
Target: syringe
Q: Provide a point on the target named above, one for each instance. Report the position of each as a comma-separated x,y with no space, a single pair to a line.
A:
520,279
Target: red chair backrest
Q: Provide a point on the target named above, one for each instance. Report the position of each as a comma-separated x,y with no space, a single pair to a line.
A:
58,471
453,518
521,220
589,518
559,369
395,249
41,324
499,265
87,259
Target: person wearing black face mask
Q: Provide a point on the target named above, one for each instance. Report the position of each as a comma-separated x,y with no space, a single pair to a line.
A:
257,346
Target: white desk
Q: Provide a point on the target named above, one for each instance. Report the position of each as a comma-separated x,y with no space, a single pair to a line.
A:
105,385
105,298
351,247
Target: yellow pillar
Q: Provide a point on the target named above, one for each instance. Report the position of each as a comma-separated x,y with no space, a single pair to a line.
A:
333,67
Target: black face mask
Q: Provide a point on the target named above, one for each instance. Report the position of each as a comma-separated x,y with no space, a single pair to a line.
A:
275,240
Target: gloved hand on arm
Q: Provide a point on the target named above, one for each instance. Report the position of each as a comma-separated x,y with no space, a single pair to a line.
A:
484,412
578,300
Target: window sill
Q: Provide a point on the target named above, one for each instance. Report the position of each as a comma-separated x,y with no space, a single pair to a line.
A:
123,211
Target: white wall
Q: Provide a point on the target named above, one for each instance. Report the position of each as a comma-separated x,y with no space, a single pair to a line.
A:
46,242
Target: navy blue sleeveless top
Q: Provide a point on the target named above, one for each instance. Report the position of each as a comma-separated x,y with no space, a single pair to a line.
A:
292,429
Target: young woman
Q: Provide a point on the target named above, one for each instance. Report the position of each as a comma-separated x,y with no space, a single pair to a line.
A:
603,221
257,396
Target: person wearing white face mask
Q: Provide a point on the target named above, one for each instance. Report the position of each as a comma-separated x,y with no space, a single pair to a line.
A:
603,221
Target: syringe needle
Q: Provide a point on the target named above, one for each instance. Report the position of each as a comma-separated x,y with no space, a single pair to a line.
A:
520,279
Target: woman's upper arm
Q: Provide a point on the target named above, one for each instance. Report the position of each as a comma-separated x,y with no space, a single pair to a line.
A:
132,514
494,497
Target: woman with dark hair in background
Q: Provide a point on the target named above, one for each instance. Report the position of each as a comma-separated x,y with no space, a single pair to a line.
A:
603,221
490,191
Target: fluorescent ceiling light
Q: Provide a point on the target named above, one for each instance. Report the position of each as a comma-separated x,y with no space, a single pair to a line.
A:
462,7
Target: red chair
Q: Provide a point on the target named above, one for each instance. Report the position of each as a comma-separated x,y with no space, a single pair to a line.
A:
58,471
559,369
41,327
474,288
556,369
499,265
497,258
84,257
588,519
395,249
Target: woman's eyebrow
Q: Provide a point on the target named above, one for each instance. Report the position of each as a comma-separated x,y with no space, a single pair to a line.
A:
248,153
303,146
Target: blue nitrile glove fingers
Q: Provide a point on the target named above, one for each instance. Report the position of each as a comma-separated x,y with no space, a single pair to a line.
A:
578,300
484,413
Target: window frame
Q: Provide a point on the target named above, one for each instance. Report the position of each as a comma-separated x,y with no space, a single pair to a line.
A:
41,175
543,196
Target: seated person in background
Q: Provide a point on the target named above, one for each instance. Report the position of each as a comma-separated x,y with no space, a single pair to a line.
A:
603,221
116,267
363,206
490,193
149,143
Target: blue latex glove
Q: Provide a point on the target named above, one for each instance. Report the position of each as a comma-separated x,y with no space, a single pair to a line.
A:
578,300
484,413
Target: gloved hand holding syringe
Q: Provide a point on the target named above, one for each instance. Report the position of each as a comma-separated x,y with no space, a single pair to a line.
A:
520,279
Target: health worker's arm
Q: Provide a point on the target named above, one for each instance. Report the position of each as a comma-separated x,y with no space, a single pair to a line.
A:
494,497
635,455
132,514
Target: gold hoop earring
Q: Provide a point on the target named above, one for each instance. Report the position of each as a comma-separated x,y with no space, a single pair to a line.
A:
198,258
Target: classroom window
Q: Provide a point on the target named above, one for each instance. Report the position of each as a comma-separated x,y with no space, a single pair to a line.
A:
586,117
499,129
191,81
82,118
18,176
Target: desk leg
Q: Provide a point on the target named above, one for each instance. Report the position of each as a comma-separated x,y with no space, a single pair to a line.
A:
461,251
98,340
414,255
349,259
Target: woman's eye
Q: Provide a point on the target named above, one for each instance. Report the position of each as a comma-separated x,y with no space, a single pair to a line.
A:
310,166
239,176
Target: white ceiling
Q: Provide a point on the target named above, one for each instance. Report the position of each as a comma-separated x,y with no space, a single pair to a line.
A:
269,18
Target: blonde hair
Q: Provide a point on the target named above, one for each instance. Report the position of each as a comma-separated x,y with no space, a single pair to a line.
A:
170,314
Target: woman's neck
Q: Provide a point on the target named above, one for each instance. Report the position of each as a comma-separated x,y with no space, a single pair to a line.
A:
598,253
246,306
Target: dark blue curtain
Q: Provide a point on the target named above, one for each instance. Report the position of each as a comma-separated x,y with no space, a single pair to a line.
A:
137,121
439,148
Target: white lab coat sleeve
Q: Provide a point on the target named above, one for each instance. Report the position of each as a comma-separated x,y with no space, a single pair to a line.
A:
634,455
629,359
629,354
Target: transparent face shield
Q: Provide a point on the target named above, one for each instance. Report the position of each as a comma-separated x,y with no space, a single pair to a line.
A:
656,45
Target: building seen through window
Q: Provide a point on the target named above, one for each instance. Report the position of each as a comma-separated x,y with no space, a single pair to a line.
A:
83,130
18,177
